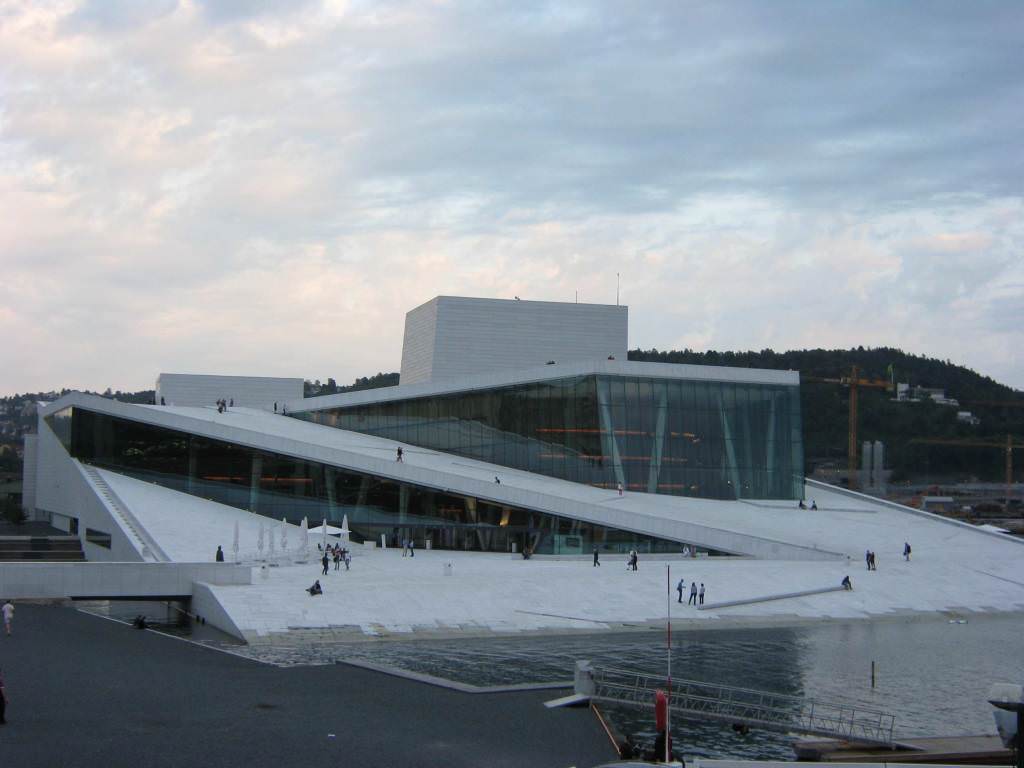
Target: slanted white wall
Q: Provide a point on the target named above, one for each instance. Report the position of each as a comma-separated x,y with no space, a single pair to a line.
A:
418,343
62,489
28,477
452,336
247,391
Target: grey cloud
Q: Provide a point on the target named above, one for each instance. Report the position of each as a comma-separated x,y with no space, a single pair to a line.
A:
777,159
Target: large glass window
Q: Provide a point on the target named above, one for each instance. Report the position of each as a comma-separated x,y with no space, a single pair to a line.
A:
718,440
284,487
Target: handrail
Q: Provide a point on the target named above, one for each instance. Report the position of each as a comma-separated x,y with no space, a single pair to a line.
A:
734,704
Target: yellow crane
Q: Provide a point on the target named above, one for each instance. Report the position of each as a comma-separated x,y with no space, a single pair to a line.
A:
854,382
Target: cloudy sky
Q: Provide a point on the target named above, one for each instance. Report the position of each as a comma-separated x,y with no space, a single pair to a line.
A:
266,188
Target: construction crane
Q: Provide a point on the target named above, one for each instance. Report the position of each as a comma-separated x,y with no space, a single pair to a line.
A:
1008,445
854,382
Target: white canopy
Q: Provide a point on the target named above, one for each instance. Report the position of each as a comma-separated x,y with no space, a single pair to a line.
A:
331,530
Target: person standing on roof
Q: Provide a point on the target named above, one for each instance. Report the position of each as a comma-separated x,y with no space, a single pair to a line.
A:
679,588
597,562
398,453
693,594
906,551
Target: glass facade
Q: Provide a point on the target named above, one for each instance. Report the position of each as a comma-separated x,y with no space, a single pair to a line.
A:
281,486
709,439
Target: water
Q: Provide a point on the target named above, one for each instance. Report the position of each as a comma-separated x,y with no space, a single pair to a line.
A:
932,674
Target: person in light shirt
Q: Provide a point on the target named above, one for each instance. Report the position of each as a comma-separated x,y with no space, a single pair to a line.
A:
8,611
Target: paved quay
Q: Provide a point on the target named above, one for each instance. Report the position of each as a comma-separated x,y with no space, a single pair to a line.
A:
85,691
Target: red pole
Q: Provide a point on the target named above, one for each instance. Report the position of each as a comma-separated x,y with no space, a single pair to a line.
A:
668,703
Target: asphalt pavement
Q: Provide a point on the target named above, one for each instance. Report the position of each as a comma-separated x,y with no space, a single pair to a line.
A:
85,691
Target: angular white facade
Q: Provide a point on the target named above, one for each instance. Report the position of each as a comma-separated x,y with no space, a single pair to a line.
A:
246,391
450,337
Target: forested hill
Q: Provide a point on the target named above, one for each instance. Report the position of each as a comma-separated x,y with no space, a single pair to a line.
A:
825,407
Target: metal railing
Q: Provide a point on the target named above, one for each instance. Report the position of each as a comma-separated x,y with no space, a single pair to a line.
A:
758,709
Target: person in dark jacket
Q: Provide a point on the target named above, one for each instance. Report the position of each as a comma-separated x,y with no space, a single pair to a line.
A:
220,555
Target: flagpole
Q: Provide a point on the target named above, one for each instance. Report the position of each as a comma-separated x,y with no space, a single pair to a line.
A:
668,707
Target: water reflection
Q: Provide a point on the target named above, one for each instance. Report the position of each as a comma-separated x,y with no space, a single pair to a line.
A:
931,674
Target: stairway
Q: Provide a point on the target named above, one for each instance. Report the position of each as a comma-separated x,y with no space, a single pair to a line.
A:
143,542
41,549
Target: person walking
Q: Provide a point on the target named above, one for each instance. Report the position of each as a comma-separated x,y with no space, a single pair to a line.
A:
636,559
597,562
405,547
337,559
398,454
906,551
702,593
324,561
412,547
219,557
693,594
8,611
867,559
620,489
679,588
874,561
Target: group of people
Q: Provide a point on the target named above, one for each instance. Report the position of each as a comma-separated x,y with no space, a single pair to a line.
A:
408,548
337,553
801,505
869,558
632,561
695,593
222,404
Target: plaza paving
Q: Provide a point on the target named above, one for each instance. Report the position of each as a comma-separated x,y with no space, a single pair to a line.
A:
954,568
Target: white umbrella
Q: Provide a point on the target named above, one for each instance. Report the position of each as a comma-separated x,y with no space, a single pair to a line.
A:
259,541
331,530
304,533
234,546
284,535
325,534
270,533
344,529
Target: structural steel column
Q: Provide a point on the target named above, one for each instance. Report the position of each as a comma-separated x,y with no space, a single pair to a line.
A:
730,453
330,475
254,482
190,483
658,446
609,445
